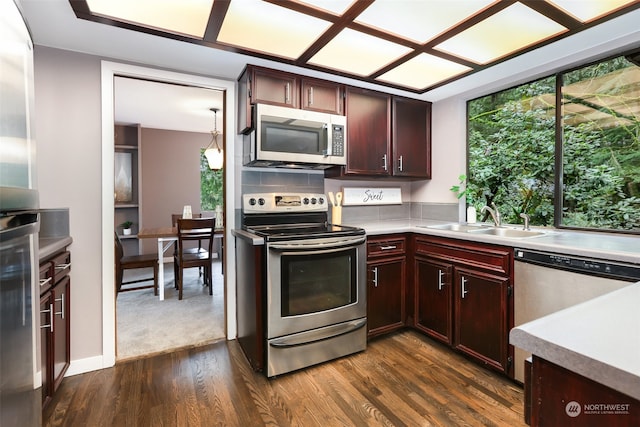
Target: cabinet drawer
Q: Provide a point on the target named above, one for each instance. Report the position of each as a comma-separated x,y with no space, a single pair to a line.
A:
495,259
61,265
46,276
387,246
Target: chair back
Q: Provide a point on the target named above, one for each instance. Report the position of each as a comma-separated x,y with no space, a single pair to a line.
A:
176,217
196,229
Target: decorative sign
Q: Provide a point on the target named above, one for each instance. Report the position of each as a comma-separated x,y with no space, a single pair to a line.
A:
371,196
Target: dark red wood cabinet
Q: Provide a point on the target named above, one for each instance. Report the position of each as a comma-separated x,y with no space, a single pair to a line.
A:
464,297
268,86
386,282
55,310
411,137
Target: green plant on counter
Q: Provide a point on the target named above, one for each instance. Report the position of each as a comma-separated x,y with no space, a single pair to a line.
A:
126,224
461,190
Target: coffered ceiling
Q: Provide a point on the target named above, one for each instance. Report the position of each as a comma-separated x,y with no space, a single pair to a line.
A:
412,45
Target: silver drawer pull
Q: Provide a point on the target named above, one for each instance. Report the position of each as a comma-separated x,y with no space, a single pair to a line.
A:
45,281
463,283
389,247
61,312
63,266
50,311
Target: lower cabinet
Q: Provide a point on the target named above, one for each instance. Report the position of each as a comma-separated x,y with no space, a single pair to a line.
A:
386,271
55,308
463,297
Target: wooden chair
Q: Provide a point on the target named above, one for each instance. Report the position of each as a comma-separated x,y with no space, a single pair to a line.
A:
174,223
133,262
191,230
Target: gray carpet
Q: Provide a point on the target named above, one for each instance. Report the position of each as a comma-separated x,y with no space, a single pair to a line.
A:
147,326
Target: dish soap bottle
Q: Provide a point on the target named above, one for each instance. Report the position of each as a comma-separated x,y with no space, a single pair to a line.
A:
471,214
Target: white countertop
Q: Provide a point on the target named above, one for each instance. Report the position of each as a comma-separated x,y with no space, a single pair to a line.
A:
598,339
607,246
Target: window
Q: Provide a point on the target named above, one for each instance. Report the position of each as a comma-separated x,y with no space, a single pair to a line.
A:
516,135
211,184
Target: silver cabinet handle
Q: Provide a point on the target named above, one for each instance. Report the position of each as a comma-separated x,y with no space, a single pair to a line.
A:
375,277
310,103
440,281
62,266
45,281
400,164
463,283
388,247
384,162
61,300
50,311
287,93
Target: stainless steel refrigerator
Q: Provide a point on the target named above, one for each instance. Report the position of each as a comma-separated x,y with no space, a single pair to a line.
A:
20,399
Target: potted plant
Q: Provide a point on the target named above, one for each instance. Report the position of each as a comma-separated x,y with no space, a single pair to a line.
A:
461,190
126,227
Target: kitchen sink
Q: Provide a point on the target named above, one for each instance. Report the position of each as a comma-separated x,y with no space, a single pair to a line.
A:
507,232
456,227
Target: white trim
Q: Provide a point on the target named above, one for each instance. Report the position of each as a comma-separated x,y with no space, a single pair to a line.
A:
108,71
81,366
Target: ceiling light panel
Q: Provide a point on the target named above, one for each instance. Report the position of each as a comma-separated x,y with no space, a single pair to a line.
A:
358,53
588,10
188,17
337,7
506,32
423,71
419,21
265,27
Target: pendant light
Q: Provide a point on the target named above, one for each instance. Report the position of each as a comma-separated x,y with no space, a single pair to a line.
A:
213,152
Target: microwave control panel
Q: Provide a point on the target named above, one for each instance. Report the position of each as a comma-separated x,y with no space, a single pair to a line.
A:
337,140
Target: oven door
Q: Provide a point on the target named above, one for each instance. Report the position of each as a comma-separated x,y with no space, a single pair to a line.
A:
315,283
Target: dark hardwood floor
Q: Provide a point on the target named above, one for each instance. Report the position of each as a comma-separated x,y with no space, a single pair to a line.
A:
403,379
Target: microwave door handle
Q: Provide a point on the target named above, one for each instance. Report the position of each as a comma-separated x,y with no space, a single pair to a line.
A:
326,151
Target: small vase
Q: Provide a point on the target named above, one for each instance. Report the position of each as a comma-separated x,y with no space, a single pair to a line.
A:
126,231
471,215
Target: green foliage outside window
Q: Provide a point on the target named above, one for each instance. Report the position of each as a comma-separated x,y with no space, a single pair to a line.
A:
211,185
512,139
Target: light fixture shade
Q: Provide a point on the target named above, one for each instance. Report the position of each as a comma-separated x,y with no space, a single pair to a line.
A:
215,157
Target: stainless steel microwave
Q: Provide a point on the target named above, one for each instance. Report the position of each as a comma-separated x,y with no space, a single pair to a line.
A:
288,137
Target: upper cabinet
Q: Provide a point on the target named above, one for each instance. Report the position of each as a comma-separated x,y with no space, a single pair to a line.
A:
368,132
267,86
411,138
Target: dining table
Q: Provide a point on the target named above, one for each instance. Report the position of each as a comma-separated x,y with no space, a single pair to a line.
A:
166,237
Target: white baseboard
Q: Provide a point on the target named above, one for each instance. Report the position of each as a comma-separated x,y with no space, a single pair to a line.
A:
81,366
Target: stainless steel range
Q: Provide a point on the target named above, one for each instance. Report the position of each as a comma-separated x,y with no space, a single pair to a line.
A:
312,278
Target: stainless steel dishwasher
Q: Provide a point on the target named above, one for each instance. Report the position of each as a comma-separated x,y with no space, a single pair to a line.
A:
547,282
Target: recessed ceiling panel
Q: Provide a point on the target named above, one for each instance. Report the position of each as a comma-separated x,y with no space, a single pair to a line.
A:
419,21
423,71
358,53
588,10
506,32
188,17
265,27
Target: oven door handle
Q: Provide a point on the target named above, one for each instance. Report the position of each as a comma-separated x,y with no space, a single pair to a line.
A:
309,337
311,244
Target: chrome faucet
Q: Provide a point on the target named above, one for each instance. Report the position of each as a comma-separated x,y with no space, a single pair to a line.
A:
526,220
495,214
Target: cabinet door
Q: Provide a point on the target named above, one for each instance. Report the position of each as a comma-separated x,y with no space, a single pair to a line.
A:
319,95
385,295
61,350
433,298
368,132
480,316
274,87
245,115
46,345
411,138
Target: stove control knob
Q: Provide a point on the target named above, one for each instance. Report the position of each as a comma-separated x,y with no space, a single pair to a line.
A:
313,200
305,201
261,201
321,200
252,201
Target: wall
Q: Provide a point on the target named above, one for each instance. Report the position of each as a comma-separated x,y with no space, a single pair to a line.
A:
68,141
170,162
